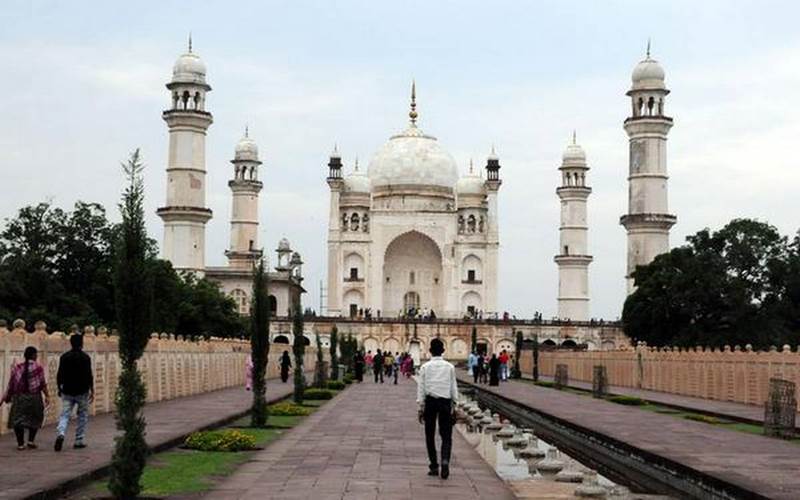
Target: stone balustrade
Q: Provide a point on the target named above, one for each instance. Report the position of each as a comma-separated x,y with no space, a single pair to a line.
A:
727,374
171,366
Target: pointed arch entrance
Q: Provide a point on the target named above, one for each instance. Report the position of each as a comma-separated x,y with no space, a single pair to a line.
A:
412,274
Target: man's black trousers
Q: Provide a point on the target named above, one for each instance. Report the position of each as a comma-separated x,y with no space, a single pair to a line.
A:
438,409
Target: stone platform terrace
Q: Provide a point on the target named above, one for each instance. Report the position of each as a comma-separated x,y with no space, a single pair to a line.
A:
365,444
768,467
43,473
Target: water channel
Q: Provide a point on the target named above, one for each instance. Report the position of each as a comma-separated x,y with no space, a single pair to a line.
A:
533,467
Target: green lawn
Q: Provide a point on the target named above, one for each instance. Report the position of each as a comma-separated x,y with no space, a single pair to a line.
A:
180,471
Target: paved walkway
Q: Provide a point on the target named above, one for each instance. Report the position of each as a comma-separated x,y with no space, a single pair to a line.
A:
737,411
29,472
756,463
365,444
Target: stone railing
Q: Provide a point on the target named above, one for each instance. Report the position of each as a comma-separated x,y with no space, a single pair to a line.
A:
738,375
171,367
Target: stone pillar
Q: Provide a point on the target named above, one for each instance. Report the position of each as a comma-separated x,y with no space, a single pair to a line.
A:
780,409
562,377
599,381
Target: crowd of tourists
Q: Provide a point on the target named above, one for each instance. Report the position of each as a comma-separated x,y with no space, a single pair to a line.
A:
383,365
489,370
29,397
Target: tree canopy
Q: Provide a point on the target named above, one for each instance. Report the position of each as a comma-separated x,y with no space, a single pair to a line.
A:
738,285
56,266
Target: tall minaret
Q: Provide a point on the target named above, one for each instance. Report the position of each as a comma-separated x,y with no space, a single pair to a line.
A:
245,186
336,183
648,220
493,183
185,214
573,258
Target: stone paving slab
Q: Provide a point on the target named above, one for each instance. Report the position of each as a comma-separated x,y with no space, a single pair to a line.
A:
736,411
26,473
768,466
364,444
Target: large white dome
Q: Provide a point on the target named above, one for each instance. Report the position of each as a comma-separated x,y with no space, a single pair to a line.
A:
413,158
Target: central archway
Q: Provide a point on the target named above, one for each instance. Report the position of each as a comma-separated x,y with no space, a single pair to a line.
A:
412,268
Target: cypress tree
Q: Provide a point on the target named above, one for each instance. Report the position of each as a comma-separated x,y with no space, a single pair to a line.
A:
515,371
536,358
133,300
335,353
298,349
259,345
474,339
319,370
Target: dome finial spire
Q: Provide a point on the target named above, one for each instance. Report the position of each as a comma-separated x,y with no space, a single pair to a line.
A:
246,130
648,47
574,136
413,113
471,170
356,167
190,42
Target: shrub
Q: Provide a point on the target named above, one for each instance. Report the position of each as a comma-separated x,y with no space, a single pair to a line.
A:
317,394
287,409
706,419
225,440
544,383
627,400
335,385
348,379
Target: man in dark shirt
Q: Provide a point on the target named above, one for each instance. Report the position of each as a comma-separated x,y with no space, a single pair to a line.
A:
76,388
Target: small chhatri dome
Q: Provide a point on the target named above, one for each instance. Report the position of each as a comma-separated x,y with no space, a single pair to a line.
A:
246,149
471,183
189,68
357,181
648,74
412,158
283,245
574,153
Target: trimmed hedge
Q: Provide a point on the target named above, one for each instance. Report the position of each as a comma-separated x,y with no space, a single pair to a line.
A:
627,400
335,385
348,379
544,383
288,409
225,440
706,419
317,394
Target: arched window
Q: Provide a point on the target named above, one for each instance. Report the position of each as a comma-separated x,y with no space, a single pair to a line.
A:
480,224
344,222
197,100
185,99
471,223
281,339
461,224
365,223
273,306
650,104
354,222
411,301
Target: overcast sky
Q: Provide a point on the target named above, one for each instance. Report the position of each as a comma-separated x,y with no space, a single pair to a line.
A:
82,85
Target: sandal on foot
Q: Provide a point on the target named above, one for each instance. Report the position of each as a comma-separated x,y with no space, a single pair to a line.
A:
21,448
32,446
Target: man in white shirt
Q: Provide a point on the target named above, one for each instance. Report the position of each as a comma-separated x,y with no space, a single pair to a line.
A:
437,390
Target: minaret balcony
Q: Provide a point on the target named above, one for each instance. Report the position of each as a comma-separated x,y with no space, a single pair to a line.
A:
187,117
651,221
246,185
193,214
581,192
573,260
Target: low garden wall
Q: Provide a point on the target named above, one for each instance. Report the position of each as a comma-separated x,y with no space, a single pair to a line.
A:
171,367
729,374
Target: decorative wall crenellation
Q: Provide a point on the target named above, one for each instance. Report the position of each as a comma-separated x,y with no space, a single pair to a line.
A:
171,366
733,374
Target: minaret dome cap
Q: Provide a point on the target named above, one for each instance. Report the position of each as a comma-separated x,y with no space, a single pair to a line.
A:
246,149
189,68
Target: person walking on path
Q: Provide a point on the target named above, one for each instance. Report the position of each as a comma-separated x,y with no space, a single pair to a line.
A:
26,385
377,366
494,370
472,362
481,369
76,388
248,374
368,360
396,366
286,363
503,365
358,366
437,390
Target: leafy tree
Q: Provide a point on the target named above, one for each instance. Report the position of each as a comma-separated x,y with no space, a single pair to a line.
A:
133,294
298,349
733,286
259,345
335,353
